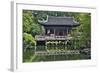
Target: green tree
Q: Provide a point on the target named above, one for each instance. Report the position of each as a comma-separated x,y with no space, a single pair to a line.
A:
28,42
36,29
84,30
27,20
30,23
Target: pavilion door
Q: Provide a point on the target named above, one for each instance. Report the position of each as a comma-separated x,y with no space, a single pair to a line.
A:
60,33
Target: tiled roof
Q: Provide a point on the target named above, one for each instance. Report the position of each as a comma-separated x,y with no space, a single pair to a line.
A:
66,21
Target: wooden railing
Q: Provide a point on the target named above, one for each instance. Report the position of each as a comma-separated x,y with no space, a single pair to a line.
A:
39,37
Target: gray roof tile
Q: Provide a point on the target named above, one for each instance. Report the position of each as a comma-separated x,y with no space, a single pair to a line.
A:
52,20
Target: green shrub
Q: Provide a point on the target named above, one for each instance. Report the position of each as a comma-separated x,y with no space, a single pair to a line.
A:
28,42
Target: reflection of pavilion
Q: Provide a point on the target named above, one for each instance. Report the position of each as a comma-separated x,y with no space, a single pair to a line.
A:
57,28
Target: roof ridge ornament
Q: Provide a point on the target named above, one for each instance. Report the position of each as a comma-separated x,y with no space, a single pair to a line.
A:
43,21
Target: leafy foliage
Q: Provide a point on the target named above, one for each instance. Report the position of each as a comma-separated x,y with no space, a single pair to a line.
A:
35,29
84,30
28,41
27,20
30,24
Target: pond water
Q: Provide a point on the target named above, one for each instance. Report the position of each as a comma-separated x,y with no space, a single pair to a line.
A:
30,56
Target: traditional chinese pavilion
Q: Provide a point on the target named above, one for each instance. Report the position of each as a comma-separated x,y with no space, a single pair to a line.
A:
57,28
